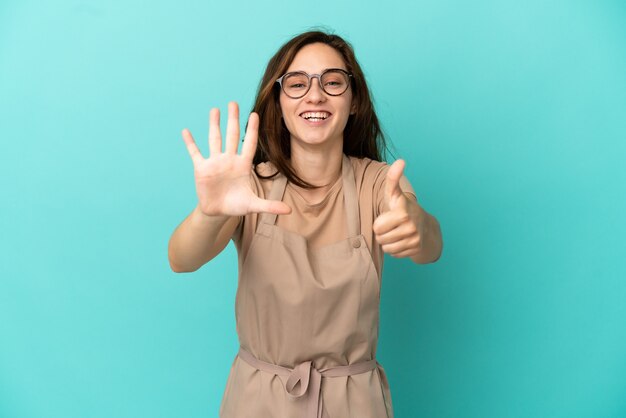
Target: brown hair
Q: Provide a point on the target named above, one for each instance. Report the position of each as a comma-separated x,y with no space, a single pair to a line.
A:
362,136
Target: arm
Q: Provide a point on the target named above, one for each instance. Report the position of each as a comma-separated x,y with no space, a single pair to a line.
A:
198,239
406,229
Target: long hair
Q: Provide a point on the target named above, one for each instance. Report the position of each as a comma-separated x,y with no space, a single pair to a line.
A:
362,136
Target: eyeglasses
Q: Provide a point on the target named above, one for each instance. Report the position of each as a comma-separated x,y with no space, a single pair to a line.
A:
333,81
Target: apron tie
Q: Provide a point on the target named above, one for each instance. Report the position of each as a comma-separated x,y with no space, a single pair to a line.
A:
309,377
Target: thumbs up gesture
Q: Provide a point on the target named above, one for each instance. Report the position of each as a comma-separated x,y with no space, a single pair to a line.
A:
400,229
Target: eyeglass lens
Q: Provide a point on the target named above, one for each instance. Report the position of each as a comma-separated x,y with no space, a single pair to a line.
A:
333,83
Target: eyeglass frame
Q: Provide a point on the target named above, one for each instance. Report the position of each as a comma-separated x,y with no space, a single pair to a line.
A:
319,80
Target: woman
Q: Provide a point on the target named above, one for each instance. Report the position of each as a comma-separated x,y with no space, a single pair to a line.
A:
311,212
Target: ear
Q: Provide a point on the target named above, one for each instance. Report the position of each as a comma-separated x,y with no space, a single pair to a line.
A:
353,108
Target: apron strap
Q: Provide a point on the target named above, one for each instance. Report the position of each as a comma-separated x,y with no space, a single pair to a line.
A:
276,193
350,199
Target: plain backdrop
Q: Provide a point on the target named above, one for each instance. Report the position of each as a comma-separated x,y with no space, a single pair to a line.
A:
511,117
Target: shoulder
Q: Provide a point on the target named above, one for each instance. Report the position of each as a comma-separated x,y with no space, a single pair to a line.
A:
368,171
264,169
371,177
260,186
259,180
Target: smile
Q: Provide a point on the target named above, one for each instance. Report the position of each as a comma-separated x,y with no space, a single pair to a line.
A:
315,116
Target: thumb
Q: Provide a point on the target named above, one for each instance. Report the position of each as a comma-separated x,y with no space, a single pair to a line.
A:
269,206
392,185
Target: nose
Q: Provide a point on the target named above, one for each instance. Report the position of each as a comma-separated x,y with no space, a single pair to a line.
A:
315,93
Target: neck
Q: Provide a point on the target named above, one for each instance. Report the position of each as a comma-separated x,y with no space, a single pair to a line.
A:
319,166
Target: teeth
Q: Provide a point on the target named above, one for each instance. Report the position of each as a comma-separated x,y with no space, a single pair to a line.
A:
315,115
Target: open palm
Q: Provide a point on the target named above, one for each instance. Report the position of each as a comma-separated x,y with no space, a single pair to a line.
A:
223,180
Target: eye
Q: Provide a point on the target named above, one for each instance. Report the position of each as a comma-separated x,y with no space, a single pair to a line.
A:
334,83
334,80
296,81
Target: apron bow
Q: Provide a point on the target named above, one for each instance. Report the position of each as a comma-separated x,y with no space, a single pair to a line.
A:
310,380
309,377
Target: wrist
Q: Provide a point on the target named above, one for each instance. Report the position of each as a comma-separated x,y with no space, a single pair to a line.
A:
202,219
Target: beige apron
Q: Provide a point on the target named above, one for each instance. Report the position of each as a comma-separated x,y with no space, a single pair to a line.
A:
307,322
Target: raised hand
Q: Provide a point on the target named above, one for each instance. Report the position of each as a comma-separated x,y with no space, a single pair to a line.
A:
223,180
400,229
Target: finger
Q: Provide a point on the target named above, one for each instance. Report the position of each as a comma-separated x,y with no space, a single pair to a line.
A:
412,244
232,129
270,206
194,152
392,185
404,231
396,247
252,135
389,221
405,253
215,136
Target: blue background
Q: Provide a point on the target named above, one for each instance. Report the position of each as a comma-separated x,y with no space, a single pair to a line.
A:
511,117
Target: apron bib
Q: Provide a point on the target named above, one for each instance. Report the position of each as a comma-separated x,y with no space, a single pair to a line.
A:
307,321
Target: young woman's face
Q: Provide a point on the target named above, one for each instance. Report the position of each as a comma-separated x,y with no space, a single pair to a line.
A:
316,118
